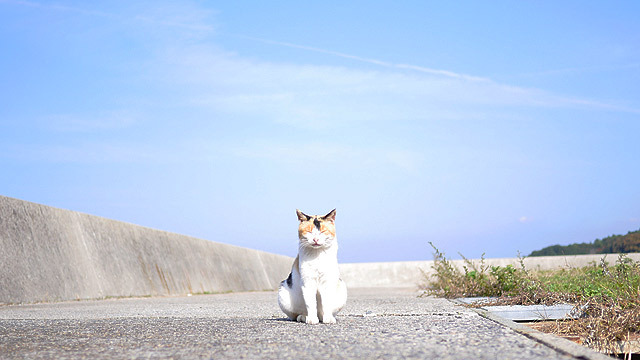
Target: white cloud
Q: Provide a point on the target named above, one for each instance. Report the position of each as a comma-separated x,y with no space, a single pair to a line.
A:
525,219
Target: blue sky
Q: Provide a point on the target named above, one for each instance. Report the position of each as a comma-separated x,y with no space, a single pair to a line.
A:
483,127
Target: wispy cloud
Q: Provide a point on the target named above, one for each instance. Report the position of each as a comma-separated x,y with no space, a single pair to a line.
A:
337,97
212,84
296,92
58,7
181,17
531,96
312,95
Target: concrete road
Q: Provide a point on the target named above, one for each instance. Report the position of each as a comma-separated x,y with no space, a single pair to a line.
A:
377,323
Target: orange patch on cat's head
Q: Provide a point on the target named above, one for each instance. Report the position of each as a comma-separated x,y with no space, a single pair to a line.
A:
328,227
305,227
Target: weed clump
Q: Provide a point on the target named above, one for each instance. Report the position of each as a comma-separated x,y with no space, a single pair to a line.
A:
480,279
607,296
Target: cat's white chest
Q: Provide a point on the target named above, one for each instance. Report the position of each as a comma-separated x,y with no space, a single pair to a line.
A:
321,268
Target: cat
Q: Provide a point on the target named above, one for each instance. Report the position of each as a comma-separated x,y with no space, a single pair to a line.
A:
314,291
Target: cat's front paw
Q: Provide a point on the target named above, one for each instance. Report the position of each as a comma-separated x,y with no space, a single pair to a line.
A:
308,319
328,319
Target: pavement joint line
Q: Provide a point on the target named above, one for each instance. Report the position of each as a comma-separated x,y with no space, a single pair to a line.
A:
555,342
393,315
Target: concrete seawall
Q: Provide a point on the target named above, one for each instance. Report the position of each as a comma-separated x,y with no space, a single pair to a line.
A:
414,273
50,254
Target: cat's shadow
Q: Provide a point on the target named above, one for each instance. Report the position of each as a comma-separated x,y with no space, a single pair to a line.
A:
282,319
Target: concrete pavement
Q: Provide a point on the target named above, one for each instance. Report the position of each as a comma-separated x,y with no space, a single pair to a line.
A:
376,323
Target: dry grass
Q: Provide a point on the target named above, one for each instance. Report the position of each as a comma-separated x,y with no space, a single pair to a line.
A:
609,296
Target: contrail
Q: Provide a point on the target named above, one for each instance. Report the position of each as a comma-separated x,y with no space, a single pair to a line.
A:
386,64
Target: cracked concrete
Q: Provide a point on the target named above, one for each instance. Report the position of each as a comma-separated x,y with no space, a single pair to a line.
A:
376,323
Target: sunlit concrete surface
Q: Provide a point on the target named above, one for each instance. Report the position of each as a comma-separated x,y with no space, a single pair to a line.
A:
376,323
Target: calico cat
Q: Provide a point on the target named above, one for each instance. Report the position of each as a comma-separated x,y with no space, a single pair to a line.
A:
314,291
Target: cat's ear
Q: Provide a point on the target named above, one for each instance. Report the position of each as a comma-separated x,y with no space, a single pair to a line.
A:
302,216
331,216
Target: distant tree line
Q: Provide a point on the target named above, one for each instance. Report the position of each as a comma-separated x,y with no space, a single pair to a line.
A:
610,245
